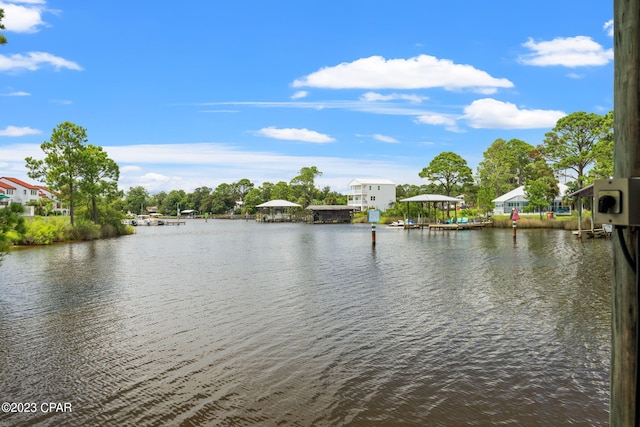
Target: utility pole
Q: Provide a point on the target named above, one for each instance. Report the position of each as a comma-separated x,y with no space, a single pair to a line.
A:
624,317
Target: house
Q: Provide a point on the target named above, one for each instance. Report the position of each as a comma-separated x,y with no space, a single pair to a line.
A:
367,194
518,199
18,191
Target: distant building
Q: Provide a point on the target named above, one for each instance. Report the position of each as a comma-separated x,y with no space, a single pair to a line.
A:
518,199
21,192
367,194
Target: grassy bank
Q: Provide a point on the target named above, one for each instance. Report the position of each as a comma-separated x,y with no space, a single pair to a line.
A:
47,230
561,223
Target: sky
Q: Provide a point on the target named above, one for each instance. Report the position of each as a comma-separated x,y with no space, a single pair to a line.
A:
198,93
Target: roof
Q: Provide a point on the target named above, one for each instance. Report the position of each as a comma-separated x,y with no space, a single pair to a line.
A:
519,192
20,183
371,181
432,198
278,204
583,192
7,186
331,208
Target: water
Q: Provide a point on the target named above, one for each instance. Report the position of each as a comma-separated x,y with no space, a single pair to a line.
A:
234,323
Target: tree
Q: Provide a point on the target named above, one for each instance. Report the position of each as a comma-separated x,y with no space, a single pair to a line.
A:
448,169
252,199
11,219
99,177
571,144
504,166
3,39
175,201
61,169
280,191
198,199
136,200
603,151
304,185
241,188
541,192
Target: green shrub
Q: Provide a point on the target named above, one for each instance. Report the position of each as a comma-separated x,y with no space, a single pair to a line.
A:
85,230
46,230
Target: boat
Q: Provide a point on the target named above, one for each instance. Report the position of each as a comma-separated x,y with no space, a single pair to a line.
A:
401,223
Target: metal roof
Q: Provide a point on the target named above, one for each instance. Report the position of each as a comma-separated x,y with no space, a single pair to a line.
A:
278,204
432,198
331,208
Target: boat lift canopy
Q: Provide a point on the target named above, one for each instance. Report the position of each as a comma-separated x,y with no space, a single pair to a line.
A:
434,198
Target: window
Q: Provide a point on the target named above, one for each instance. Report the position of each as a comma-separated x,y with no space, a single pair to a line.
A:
369,188
9,191
378,188
34,192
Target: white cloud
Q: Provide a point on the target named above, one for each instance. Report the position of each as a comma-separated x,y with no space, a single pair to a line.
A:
300,94
490,113
16,131
373,97
23,19
608,27
419,72
384,138
576,51
291,134
33,61
17,93
435,119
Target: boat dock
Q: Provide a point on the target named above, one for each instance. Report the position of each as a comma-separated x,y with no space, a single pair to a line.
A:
449,226
460,226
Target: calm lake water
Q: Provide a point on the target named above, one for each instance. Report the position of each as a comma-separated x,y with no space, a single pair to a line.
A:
236,323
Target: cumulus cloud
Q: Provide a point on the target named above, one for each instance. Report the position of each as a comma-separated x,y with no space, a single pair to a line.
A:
384,138
373,97
33,61
571,52
492,114
438,120
420,72
23,19
291,134
18,131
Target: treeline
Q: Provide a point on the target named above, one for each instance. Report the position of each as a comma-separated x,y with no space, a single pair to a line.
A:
240,197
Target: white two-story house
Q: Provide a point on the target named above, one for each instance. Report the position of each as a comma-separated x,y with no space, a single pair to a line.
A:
367,194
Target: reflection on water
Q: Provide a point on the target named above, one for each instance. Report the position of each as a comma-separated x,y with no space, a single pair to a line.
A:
240,323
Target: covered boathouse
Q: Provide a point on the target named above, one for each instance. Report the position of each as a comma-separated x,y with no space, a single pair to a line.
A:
330,214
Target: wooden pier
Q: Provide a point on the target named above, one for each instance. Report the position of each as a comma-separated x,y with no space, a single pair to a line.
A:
460,226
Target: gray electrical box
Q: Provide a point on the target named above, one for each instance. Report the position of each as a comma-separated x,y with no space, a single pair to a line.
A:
617,201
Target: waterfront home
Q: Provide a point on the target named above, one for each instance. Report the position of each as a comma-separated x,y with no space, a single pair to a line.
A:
18,191
517,198
367,194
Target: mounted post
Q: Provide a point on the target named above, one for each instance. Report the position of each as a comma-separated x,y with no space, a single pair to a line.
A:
624,319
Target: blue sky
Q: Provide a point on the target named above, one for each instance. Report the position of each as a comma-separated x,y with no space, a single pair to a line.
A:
191,94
